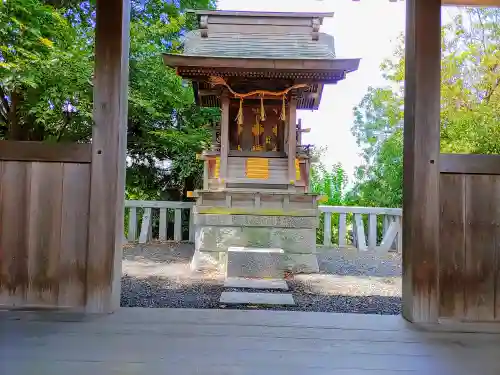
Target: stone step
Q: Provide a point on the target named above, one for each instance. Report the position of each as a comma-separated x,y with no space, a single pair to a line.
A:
242,282
260,250
255,262
244,298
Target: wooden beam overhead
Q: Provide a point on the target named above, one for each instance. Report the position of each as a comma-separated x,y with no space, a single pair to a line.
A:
346,65
469,164
208,92
46,152
477,3
237,13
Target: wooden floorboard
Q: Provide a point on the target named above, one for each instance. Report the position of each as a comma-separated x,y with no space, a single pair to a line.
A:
219,342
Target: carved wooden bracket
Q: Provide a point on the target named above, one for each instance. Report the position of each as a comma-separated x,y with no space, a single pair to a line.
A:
204,26
216,137
316,23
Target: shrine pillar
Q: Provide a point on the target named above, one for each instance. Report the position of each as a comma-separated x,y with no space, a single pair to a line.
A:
224,137
292,140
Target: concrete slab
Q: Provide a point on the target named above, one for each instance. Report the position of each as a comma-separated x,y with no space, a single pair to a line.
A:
243,298
255,262
241,282
256,250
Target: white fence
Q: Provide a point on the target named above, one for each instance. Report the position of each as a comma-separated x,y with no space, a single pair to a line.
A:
143,216
366,228
370,228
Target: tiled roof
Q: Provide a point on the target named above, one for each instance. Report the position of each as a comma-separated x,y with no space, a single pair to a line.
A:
259,45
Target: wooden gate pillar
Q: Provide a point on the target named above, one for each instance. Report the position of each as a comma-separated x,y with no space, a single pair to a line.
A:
421,158
109,134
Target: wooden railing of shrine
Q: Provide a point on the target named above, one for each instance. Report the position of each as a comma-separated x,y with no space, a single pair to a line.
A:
365,228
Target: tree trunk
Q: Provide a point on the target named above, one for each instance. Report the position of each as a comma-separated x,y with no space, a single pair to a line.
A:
16,131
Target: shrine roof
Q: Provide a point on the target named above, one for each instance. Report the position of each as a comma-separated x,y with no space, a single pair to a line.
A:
225,36
259,45
246,13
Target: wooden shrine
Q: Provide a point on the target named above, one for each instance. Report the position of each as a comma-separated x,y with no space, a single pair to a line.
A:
63,251
259,68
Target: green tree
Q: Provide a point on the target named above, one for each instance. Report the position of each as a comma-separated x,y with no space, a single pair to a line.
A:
329,183
166,129
470,104
45,74
46,65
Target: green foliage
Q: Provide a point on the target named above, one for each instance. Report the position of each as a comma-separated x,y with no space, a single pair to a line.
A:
46,65
166,128
45,86
470,106
330,184
380,180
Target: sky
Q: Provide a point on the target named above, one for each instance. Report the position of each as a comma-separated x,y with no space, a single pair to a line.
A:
365,29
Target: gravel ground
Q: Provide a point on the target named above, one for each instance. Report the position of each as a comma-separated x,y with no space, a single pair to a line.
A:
349,281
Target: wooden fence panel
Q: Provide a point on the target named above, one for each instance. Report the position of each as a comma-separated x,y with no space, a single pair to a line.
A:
43,233
452,246
43,230
469,251
14,194
481,216
74,234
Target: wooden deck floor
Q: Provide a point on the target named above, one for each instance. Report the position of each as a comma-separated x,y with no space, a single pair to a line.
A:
235,342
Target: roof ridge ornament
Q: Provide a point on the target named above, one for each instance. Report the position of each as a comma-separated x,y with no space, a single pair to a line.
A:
204,26
316,23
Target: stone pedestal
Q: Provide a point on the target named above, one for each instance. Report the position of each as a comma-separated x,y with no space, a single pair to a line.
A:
292,229
255,262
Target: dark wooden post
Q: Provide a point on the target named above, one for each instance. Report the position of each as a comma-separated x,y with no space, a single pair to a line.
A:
292,138
108,156
224,136
421,157
299,132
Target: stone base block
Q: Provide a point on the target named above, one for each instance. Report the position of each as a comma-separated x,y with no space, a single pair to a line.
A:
252,262
206,261
222,238
245,283
296,235
295,263
243,298
301,263
294,222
